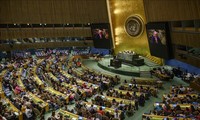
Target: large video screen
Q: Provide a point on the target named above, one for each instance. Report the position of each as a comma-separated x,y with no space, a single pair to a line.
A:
101,35
159,39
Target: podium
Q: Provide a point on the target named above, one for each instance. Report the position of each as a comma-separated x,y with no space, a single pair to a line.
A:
115,63
132,59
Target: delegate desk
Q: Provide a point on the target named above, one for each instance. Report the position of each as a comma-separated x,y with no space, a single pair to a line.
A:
39,61
125,101
73,88
79,81
35,99
37,80
70,115
77,72
106,109
14,109
186,89
39,101
158,117
148,81
180,95
66,74
152,88
1,86
161,76
130,58
183,106
131,92
51,90
1,90
81,74
19,81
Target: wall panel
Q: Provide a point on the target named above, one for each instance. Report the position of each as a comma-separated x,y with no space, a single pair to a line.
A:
33,11
16,11
53,11
58,11
47,32
5,12
4,34
46,11
24,12
189,59
43,45
187,39
171,10
66,11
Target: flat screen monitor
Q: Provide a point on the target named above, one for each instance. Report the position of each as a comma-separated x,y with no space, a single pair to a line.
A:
159,39
101,35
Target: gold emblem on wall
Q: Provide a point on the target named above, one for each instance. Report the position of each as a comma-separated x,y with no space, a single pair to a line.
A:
134,26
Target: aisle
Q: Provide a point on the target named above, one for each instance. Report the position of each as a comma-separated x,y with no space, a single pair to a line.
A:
149,103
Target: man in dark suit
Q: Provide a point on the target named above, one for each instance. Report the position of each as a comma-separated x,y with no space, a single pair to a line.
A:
99,34
155,39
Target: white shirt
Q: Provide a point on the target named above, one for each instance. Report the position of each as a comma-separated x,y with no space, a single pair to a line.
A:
116,115
28,113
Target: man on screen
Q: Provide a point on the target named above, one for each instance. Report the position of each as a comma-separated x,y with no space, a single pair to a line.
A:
155,39
101,34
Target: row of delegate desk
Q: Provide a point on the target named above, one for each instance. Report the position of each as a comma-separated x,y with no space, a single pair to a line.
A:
39,82
182,106
68,114
124,101
161,76
35,99
5,100
81,74
148,81
156,117
51,90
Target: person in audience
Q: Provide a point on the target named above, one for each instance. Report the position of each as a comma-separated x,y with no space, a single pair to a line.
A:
53,116
29,113
125,81
116,115
100,111
92,109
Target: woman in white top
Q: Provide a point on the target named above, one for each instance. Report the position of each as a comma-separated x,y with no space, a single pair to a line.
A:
117,115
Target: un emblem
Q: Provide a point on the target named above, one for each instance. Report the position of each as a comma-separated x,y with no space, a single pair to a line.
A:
134,26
